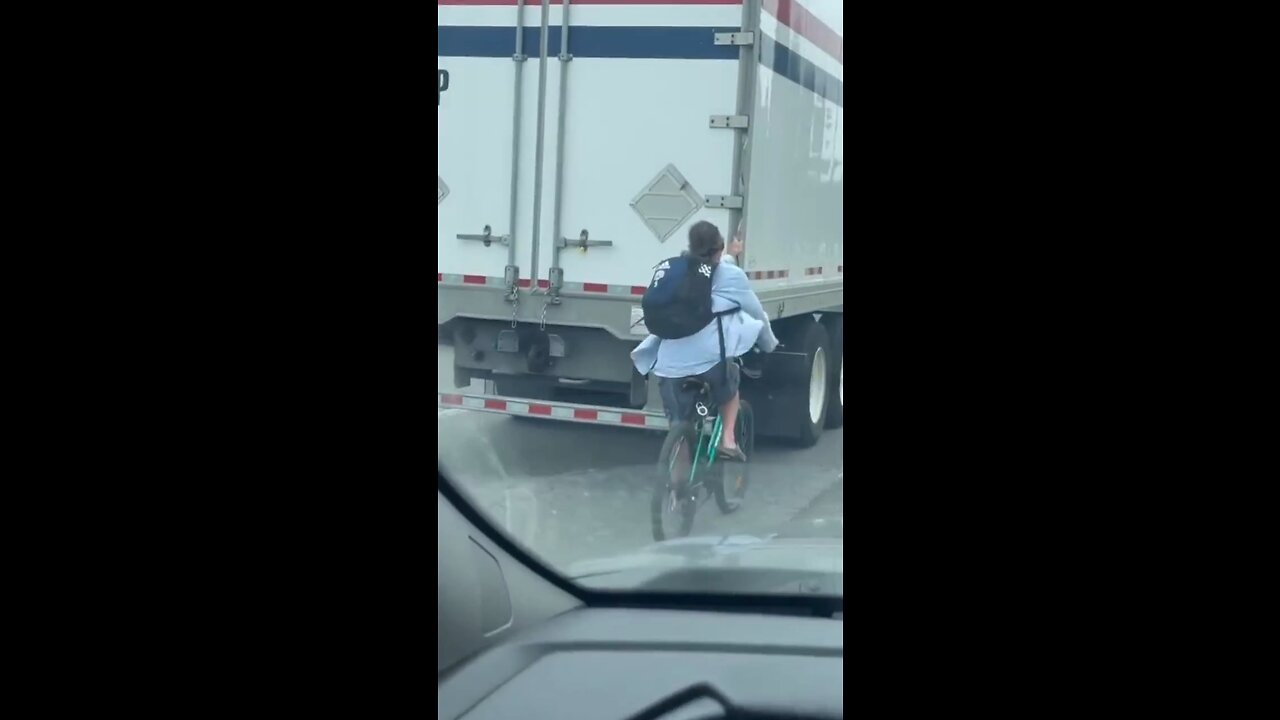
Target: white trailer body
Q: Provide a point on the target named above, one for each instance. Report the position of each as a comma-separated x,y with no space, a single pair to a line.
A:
577,144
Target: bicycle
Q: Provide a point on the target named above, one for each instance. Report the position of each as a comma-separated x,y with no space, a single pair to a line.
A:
688,471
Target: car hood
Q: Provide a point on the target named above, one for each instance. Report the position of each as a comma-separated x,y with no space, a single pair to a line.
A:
803,557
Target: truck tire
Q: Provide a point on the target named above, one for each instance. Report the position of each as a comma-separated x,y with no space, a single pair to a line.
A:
834,323
804,409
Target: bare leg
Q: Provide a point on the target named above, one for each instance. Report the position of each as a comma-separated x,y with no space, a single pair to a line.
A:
729,413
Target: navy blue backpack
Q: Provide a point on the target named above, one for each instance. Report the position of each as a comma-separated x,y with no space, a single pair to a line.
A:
677,302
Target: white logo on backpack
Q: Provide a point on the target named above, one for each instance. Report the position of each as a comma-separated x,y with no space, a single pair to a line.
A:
705,270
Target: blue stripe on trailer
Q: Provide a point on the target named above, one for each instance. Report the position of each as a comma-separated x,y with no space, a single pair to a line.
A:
588,41
791,65
687,43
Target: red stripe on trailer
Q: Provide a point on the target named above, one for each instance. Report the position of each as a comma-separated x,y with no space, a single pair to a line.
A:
546,284
840,269
807,25
813,271
439,277
593,2
552,411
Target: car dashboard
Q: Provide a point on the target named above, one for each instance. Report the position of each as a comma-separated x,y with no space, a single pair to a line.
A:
603,663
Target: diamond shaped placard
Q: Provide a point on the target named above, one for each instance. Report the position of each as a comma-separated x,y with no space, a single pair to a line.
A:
666,202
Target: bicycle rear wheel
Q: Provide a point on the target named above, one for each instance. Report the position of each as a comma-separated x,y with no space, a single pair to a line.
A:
732,478
672,506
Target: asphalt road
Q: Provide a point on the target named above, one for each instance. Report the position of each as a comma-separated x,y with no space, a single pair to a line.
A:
573,492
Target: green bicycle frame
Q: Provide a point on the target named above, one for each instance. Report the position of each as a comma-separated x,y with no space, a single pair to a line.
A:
717,430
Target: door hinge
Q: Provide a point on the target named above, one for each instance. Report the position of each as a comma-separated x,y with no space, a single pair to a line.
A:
724,201
729,121
736,38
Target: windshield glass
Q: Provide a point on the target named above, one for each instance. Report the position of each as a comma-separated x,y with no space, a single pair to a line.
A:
640,287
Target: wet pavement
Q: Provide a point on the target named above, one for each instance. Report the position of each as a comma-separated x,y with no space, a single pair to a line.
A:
571,492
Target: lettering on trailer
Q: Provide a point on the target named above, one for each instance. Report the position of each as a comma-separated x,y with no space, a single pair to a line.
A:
442,84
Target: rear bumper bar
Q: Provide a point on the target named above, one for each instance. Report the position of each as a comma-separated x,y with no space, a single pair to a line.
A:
565,412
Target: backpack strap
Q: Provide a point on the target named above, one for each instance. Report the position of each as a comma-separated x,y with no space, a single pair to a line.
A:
720,328
720,331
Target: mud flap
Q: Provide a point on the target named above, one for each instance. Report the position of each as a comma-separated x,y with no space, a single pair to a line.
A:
785,369
781,372
639,389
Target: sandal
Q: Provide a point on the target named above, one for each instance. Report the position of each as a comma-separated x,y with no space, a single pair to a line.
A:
732,454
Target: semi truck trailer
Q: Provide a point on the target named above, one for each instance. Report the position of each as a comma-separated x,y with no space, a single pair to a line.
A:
579,140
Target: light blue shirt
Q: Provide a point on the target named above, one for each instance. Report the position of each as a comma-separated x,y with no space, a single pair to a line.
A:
700,352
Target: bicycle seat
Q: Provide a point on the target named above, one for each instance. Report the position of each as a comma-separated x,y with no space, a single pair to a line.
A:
695,385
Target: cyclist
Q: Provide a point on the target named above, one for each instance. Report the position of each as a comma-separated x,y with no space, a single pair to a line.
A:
699,355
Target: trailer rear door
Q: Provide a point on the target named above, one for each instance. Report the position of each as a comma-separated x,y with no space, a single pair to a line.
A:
487,101
629,155
641,89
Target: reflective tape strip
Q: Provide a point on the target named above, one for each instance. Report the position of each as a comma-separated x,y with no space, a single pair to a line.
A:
813,271
569,287
469,280
555,411
768,274
604,289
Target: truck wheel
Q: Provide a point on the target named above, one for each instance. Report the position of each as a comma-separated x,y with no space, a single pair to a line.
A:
835,401
804,409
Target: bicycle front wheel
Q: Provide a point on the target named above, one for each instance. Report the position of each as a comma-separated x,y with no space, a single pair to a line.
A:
673,503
